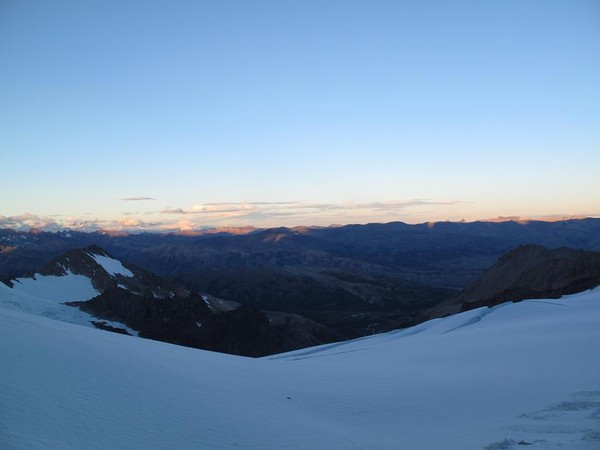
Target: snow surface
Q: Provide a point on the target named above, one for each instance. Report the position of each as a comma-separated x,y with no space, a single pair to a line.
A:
112,266
44,296
64,288
484,379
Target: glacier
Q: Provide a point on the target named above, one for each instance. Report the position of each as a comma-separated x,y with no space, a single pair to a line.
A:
523,375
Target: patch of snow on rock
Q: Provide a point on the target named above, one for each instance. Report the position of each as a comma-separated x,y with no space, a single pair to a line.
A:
206,300
112,266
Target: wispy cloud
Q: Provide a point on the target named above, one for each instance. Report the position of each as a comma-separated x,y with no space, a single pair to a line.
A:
297,207
224,208
137,199
296,213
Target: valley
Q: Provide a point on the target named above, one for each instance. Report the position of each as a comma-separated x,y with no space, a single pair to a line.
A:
354,280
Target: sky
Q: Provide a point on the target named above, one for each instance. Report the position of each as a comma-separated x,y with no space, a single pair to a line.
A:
170,115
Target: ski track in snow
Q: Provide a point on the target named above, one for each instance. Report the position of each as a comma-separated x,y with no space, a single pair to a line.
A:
480,314
572,424
526,375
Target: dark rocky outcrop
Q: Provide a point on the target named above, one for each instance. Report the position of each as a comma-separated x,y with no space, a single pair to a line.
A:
529,271
187,321
105,326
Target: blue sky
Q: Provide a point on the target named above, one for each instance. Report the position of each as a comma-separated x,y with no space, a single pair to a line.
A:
297,112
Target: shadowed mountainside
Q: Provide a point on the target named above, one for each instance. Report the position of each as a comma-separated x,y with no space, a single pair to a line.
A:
527,272
156,308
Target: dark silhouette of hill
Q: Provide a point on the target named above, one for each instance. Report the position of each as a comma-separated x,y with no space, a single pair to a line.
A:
527,272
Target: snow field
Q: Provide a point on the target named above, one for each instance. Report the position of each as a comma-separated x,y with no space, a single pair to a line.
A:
44,296
484,379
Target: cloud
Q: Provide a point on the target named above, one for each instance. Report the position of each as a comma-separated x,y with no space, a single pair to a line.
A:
224,208
294,212
137,199
26,222
259,214
210,208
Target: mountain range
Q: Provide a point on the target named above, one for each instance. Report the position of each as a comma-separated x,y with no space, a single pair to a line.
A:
355,280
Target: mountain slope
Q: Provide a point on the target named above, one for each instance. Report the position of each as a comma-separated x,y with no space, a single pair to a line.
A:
78,276
529,271
89,287
46,296
188,321
498,378
107,272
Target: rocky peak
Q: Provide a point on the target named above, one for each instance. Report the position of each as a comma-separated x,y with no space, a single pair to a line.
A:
107,272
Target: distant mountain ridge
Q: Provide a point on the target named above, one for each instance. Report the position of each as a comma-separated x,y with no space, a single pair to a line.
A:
417,249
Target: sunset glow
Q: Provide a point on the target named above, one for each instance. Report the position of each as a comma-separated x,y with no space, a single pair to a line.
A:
187,115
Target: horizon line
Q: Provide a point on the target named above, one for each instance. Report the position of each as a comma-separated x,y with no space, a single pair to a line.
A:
247,229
